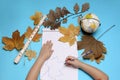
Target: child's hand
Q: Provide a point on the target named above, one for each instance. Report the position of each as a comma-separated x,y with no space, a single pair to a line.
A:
46,51
72,61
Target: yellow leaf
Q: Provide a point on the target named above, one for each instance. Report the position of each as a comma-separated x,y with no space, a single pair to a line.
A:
63,30
64,39
36,17
69,34
29,32
15,42
30,54
72,41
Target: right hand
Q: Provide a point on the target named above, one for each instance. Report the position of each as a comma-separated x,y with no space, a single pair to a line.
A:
72,61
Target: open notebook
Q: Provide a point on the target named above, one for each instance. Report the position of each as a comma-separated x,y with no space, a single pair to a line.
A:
54,68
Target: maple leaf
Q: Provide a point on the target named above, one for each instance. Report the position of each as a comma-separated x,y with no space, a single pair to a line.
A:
30,54
69,33
36,18
89,43
29,32
15,42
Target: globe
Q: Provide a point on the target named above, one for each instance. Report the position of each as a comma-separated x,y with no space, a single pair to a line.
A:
90,23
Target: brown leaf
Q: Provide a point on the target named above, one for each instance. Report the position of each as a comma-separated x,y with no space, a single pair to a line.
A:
56,25
64,11
16,41
58,13
30,54
76,8
51,16
29,32
85,7
47,23
89,43
36,17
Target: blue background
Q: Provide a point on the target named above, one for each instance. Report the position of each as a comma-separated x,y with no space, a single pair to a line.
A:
14,15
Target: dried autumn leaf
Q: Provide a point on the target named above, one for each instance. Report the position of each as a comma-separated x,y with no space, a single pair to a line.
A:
30,54
36,18
64,11
76,8
47,23
16,41
56,25
85,7
69,33
51,16
29,32
89,43
58,13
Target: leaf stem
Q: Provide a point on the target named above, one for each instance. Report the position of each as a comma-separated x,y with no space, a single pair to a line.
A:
71,14
105,32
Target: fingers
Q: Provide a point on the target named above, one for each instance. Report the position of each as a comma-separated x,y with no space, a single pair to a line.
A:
48,44
70,58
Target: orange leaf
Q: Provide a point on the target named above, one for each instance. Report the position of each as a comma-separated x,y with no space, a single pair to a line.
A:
29,32
36,17
15,42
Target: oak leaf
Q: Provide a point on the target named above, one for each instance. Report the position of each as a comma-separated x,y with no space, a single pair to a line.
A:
69,34
29,32
51,16
95,47
85,7
36,18
30,54
64,12
16,41
76,8
58,13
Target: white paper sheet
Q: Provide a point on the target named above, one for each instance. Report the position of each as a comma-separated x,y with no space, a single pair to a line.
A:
54,68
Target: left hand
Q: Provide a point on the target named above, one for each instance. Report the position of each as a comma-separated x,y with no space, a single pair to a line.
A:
46,50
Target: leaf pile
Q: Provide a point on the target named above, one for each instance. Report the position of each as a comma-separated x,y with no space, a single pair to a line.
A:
36,17
95,47
16,41
29,32
69,33
60,15
30,54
